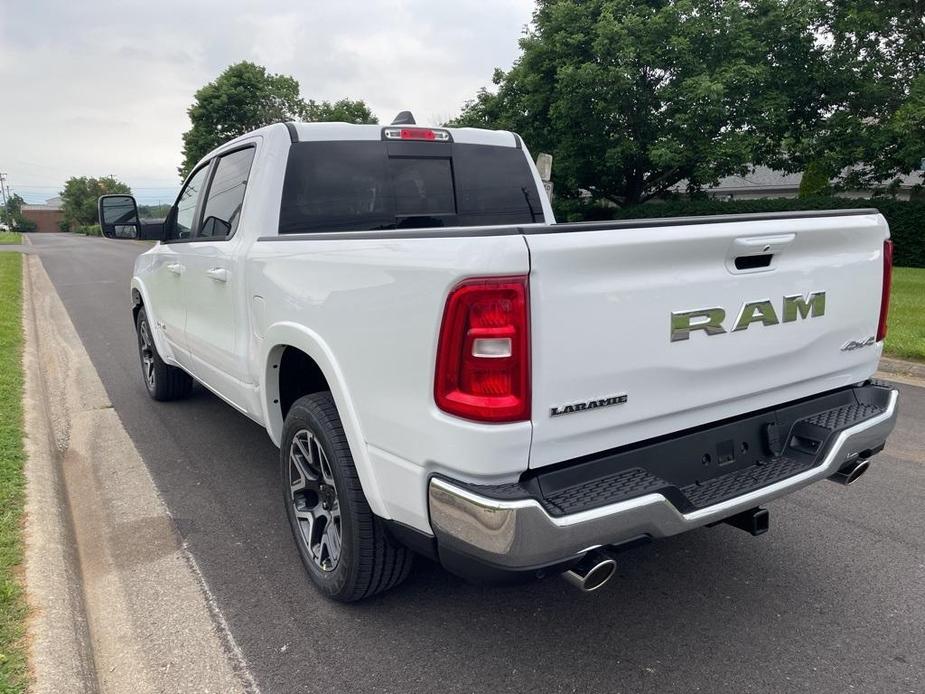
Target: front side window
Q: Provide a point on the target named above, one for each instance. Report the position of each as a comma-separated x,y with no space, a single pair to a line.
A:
226,195
185,215
368,185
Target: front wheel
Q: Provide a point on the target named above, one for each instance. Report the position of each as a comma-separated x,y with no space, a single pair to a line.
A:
162,381
347,550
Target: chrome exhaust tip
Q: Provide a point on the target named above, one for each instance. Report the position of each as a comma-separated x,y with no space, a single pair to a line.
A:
592,572
850,473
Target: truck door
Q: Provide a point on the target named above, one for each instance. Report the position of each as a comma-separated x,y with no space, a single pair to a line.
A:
215,332
168,280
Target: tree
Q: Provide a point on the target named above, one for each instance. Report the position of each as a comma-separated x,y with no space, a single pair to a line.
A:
246,97
635,96
80,196
343,111
11,213
815,181
867,123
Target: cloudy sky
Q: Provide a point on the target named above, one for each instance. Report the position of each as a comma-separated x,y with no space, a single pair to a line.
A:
90,88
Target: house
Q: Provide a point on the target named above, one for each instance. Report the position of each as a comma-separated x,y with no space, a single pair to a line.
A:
47,217
763,182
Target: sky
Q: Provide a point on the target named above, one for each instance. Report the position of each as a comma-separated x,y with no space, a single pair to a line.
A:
91,88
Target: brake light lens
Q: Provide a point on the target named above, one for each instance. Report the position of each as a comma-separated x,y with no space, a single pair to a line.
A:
483,352
424,134
887,284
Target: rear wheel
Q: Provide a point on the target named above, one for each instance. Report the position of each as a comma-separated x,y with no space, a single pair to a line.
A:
162,381
347,550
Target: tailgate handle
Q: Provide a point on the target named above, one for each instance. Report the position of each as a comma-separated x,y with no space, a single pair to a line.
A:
753,262
756,245
755,253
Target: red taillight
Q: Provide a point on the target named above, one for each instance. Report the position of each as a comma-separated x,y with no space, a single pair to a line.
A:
887,283
483,354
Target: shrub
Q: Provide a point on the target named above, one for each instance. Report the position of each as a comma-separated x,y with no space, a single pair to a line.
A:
906,218
64,226
89,230
815,181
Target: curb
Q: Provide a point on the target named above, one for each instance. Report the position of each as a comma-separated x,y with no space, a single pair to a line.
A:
59,638
118,604
902,367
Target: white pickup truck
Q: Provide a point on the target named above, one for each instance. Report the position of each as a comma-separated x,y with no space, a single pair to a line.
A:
447,371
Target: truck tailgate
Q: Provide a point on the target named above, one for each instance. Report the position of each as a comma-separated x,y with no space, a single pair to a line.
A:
608,370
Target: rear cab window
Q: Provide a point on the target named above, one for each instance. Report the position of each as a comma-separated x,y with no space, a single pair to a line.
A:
372,185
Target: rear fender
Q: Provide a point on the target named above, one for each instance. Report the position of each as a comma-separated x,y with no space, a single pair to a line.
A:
276,339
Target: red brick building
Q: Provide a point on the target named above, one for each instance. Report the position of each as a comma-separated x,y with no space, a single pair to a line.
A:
47,217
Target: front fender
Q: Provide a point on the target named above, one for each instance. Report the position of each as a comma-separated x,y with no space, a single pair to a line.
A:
281,335
163,348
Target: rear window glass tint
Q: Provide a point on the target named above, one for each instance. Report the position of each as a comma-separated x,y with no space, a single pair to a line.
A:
358,186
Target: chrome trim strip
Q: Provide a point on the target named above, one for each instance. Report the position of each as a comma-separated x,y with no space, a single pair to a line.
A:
521,534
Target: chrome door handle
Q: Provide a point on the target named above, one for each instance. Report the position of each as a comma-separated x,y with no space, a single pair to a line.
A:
176,268
219,274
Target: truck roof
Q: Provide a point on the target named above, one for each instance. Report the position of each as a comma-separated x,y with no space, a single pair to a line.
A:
311,132
319,132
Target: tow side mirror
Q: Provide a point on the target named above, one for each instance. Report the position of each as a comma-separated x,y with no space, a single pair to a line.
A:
119,217
119,220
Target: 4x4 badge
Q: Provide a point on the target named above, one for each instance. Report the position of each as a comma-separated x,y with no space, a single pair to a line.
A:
852,345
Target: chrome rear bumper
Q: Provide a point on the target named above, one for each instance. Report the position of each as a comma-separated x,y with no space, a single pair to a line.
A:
519,534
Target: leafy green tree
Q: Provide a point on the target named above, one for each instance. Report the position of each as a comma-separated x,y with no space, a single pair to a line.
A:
635,96
343,111
11,213
80,195
246,97
869,120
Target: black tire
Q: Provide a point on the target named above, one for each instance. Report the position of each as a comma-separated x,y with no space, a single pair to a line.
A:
368,559
162,381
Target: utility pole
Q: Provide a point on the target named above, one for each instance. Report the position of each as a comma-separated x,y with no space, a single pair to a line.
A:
3,196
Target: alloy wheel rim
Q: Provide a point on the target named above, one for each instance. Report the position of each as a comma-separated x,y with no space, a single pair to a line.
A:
314,501
147,354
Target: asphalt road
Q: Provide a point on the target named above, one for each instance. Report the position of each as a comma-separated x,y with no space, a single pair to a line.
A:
831,600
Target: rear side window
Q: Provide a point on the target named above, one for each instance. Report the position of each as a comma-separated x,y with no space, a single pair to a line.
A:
368,185
226,195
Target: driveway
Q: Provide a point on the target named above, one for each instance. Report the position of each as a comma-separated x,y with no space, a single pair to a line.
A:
832,599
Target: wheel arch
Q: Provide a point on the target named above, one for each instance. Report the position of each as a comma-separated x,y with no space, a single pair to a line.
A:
288,346
141,299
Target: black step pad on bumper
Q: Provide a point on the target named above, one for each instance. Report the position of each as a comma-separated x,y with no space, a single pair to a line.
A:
698,468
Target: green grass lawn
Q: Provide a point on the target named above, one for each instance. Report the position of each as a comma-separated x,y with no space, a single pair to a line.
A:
13,675
7,237
906,333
